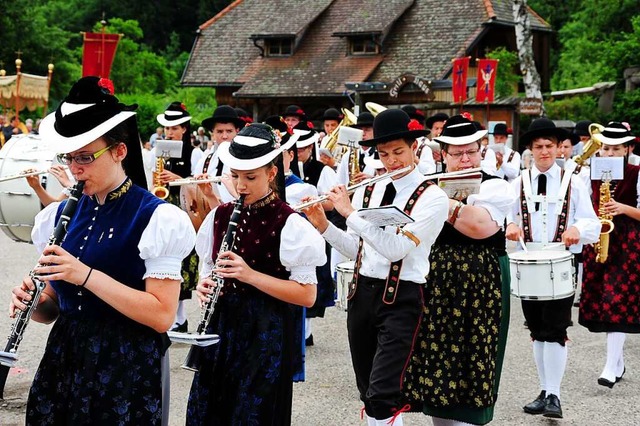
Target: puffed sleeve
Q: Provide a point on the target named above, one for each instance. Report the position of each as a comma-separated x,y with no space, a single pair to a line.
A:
168,238
497,197
204,244
43,226
302,248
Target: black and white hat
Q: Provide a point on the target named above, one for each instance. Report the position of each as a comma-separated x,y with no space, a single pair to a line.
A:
88,112
175,114
614,134
254,146
304,135
460,131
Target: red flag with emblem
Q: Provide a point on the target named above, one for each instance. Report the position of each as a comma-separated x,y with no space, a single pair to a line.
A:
98,52
459,78
486,82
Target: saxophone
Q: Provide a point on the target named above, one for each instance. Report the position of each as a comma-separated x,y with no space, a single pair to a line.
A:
159,190
354,164
606,219
194,358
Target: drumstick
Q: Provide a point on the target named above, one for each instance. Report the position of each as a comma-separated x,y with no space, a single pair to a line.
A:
524,247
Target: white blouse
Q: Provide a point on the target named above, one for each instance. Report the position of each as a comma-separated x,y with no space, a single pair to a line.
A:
168,238
301,248
497,197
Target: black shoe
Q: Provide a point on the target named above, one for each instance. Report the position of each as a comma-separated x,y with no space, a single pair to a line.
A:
309,340
537,405
620,377
608,383
552,407
182,328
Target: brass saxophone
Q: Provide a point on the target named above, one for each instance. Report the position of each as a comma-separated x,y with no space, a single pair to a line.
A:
159,190
354,164
606,219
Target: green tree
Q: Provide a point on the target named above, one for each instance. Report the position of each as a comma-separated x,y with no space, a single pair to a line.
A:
508,75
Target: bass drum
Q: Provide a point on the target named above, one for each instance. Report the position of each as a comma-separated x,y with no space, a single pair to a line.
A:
19,204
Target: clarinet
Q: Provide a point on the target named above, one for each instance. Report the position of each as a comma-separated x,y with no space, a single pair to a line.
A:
193,359
8,357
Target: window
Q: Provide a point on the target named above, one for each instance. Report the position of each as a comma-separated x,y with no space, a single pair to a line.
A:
279,47
363,46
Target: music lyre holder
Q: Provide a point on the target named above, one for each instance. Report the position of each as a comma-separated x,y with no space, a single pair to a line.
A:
168,149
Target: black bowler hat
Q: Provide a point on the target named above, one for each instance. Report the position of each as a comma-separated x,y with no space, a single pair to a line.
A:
244,115
296,111
500,129
365,119
332,114
414,113
460,131
541,127
440,116
392,124
224,114
582,128
176,113
277,123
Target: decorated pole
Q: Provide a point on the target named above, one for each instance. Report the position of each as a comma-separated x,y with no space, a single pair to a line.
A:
46,100
18,78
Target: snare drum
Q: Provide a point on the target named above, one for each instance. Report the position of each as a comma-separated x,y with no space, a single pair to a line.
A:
345,275
18,202
542,274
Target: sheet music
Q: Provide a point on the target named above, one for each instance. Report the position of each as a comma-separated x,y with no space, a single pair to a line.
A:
460,187
613,165
385,216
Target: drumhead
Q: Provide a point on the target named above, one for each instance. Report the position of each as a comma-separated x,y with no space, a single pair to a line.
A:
346,266
539,256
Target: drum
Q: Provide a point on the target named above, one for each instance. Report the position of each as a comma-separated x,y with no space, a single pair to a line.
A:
344,271
18,202
542,274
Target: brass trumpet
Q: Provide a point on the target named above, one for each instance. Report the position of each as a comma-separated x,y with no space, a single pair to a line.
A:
591,146
349,119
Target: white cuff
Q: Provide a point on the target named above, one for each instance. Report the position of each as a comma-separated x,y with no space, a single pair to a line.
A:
304,275
165,267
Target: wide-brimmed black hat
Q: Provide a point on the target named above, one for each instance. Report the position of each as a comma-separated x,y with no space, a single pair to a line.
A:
460,131
277,123
365,119
500,129
414,113
392,124
332,114
541,127
582,128
296,111
175,114
224,114
614,134
440,116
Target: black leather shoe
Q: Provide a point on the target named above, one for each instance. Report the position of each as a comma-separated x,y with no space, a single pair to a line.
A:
552,407
182,328
620,377
309,340
537,405
608,383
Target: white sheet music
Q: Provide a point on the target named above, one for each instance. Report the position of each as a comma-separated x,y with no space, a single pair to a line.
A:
613,165
385,216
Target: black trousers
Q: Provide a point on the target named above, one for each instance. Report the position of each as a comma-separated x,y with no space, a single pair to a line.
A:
381,339
548,320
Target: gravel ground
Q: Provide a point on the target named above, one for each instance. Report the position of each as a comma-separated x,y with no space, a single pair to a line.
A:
329,396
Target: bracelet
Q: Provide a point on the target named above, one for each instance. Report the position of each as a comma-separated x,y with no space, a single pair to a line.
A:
456,212
87,279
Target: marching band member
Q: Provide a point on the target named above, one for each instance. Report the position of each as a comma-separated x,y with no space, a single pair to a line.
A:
112,286
609,294
247,377
435,124
455,368
294,115
570,220
507,163
177,127
60,173
385,299
424,155
364,123
488,157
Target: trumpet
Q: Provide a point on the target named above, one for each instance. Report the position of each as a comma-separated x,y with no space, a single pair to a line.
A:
348,120
192,180
374,108
23,174
352,188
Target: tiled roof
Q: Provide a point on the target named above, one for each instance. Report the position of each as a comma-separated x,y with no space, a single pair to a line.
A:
424,36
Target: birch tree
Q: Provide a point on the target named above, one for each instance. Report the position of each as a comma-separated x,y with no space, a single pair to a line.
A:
524,42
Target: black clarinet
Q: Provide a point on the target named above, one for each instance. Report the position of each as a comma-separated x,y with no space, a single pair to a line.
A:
9,357
193,360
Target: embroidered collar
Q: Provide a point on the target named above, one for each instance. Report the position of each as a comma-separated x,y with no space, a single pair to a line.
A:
266,200
118,192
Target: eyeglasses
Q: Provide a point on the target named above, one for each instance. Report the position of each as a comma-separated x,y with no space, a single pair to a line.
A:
469,152
82,159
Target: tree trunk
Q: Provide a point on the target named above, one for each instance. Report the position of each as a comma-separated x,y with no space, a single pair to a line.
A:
524,42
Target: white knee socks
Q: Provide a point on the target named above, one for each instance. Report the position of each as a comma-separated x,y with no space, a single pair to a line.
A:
307,328
555,362
538,356
615,363
181,315
437,421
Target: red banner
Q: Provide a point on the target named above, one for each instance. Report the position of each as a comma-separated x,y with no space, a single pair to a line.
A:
486,82
97,53
459,78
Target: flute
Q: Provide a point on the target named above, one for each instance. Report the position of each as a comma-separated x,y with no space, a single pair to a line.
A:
21,175
352,188
453,174
189,181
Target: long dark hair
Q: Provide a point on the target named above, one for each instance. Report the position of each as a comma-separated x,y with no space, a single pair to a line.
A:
127,133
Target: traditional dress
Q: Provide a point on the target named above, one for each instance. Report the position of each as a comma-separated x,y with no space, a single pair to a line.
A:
455,368
100,367
247,377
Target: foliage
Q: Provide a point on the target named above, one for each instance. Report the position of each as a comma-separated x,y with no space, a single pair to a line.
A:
508,75
625,108
574,108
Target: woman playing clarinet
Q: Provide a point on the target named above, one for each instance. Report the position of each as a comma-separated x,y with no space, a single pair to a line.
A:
247,378
112,286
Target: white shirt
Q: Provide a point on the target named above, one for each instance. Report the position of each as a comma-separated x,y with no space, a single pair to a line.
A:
221,190
301,248
509,169
327,180
196,156
167,239
299,190
488,164
497,197
581,213
383,246
343,167
426,163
